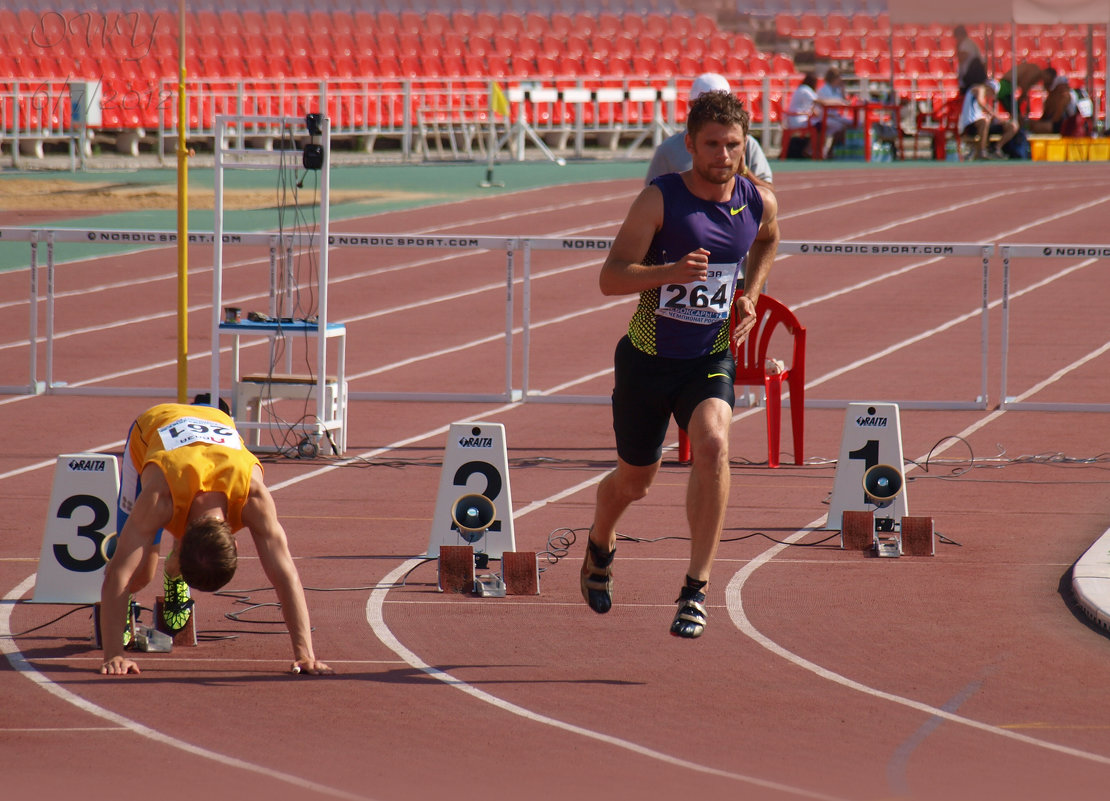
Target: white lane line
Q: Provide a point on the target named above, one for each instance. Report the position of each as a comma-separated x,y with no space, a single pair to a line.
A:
377,622
20,664
735,604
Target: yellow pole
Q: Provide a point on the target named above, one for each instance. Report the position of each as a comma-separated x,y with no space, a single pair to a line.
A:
182,219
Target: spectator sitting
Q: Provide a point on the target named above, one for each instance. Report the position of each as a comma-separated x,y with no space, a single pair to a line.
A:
831,95
1028,75
1059,106
977,119
804,110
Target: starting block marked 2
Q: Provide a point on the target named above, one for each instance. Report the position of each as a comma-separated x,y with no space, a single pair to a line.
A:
81,516
456,569
521,572
872,435
475,460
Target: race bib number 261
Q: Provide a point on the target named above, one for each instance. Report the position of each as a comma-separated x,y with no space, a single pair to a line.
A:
702,302
190,430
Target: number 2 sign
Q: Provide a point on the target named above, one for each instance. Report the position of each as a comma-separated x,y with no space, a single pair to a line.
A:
475,461
82,514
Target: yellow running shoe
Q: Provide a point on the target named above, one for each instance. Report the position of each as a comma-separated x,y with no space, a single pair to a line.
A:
129,621
177,605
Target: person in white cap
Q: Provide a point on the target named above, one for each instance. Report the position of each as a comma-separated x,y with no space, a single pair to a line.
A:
672,155
978,121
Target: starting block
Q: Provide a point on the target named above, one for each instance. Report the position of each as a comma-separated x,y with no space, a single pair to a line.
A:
889,537
519,573
151,639
187,636
96,622
456,569
143,638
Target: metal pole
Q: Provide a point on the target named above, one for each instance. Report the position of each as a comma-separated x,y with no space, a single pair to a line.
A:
183,224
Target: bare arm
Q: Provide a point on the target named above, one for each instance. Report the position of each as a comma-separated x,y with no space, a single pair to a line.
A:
761,256
624,272
260,516
132,566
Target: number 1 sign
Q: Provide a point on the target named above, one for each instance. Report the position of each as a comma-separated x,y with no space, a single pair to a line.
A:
872,435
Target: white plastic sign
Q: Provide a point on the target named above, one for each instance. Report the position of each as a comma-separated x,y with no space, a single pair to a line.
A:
872,435
82,514
475,460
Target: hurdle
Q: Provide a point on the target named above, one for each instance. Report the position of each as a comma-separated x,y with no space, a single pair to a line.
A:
1088,254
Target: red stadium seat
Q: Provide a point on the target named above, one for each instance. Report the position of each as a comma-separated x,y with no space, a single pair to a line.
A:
535,24
560,24
462,23
782,65
681,25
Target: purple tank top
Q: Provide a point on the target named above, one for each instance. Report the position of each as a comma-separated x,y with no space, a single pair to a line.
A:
684,321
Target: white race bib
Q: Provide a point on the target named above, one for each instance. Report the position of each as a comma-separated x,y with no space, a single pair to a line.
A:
701,302
190,430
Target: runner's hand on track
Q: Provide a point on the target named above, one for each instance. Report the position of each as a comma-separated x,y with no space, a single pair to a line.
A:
119,666
312,666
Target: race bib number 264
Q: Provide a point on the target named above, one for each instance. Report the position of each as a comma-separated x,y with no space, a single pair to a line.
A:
703,302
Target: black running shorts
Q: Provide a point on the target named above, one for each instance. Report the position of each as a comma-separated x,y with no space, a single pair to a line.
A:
649,389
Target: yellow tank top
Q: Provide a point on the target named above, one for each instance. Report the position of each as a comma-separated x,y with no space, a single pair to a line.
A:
198,450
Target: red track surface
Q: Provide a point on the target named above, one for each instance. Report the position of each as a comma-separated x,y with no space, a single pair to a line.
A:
822,674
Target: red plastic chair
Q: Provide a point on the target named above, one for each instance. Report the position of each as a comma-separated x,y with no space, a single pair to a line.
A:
811,132
751,370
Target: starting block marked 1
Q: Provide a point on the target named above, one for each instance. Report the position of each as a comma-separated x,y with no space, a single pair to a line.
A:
82,515
917,536
872,435
475,460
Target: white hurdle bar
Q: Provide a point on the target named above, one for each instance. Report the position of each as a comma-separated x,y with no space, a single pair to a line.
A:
1088,253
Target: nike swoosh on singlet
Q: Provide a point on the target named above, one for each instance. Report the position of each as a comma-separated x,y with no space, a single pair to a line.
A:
717,375
734,212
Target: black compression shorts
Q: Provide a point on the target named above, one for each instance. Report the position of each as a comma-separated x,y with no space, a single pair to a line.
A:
649,389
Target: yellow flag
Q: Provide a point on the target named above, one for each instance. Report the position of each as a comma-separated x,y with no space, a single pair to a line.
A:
498,102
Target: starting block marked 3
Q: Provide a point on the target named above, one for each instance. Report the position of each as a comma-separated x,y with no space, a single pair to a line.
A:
187,635
81,516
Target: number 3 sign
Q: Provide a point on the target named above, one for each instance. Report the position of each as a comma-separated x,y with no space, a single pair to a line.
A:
81,516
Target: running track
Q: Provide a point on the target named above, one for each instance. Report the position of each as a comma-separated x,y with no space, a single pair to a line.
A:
823,674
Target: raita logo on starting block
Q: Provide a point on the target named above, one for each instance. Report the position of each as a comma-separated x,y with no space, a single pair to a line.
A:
87,465
476,442
871,422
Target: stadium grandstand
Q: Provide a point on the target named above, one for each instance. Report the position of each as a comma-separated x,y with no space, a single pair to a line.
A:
427,78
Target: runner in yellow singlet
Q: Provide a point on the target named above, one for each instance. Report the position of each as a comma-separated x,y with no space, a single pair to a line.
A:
186,470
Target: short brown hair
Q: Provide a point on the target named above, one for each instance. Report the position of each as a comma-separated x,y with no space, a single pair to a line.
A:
208,555
720,107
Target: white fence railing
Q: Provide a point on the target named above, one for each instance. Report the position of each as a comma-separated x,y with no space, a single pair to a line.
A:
422,118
